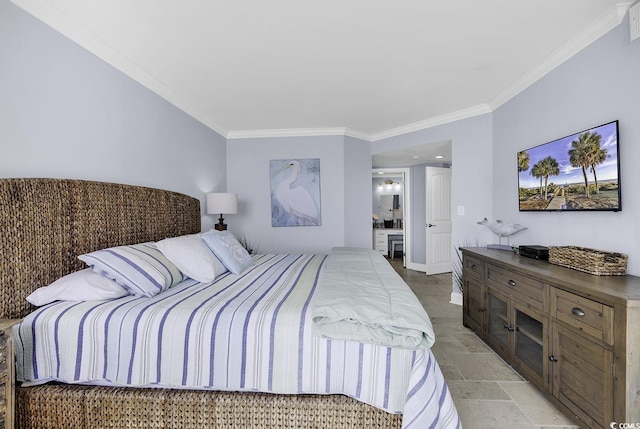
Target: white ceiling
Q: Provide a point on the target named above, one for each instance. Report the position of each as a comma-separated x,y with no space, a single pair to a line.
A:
367,68
415,155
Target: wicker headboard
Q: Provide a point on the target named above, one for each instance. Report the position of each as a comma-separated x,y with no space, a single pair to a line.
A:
46,223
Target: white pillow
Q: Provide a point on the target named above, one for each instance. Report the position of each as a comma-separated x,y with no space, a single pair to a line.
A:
84,285
192,257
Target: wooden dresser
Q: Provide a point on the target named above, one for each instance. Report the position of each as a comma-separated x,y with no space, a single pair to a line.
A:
574,335
7,374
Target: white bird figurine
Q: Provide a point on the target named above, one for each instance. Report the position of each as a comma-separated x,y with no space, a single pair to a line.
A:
296,200
502,229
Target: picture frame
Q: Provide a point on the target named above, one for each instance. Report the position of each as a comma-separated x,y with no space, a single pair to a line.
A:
295,192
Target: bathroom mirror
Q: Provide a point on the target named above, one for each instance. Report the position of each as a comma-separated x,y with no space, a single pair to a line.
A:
386,206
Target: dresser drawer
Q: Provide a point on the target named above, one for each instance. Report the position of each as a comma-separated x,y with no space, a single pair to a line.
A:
474,268
381,240
591,317
514,285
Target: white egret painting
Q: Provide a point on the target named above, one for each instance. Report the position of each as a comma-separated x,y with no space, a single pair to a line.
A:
295,192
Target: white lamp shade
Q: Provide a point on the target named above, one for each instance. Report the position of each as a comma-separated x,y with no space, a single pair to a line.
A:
222,203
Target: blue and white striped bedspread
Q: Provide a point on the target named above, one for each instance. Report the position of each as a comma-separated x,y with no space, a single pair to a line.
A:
241,333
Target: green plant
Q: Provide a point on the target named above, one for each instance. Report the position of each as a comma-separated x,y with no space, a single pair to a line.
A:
250,247
457,270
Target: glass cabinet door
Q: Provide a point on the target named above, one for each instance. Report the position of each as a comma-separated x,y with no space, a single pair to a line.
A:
529,342
498,323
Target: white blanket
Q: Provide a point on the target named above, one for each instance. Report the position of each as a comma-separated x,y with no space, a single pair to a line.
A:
362,298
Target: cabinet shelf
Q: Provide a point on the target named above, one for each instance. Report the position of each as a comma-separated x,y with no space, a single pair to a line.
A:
529,334
529,327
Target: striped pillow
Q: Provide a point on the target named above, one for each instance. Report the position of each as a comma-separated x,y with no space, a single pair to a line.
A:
140,268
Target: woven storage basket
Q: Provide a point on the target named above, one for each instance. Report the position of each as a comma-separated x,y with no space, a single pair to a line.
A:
592,261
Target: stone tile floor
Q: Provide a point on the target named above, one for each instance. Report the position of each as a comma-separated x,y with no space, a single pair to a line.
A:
487,392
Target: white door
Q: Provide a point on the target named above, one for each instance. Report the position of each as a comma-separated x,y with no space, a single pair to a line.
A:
438,219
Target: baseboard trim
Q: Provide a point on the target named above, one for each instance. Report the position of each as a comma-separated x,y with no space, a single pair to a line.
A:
418,267
456,298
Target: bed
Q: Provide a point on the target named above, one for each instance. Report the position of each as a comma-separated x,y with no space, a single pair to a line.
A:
48,223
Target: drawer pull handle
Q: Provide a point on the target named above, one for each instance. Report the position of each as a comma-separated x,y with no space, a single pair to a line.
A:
577,311
511,283
480,309
474,267
552,358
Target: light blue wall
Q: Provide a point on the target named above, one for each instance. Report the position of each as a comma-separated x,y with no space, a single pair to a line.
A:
471,178
598,85
64,113
344,204
357,176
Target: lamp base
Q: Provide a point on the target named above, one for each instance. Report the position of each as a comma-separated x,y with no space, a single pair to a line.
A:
220,226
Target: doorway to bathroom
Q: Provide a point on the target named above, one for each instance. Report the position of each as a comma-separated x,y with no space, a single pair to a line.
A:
391,213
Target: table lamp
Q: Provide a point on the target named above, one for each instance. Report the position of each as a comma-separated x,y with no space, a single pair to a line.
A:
222,203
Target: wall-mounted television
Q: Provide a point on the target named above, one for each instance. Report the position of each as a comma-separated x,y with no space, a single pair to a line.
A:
579,172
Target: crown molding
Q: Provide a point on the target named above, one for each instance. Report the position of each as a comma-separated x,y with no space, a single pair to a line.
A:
296,132
599,27
54,18
358,135
432,122
311,132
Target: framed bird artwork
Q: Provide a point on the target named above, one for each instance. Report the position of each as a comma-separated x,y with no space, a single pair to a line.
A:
295,192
